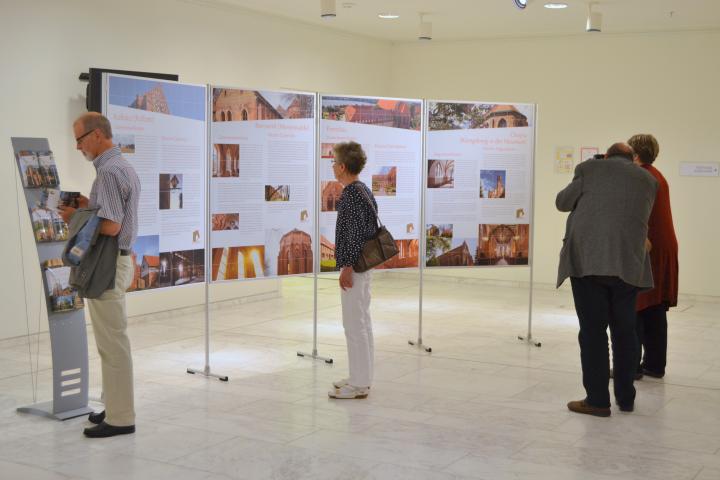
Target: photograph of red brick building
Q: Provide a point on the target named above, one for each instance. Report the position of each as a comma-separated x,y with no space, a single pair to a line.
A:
295,254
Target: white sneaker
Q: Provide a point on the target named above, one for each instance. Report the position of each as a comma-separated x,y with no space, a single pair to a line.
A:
347,392
341,383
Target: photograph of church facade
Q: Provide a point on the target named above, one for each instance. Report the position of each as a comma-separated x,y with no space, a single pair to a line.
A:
492,183
295,255
146,262
373,111
234,105
441,173
503,244
226,160
407,257
459,256
62,297
461,116
384,182
330,191
233,263
327,255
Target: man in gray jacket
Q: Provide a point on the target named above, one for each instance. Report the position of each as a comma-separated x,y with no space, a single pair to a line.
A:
604,254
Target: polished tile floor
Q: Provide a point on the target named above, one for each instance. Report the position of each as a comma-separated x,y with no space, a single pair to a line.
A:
481,405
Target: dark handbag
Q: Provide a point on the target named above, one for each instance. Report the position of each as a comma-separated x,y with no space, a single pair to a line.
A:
377,250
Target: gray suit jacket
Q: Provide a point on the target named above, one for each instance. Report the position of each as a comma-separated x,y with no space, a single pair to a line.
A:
609,201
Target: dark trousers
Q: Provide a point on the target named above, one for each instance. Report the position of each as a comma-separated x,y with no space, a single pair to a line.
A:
600,302
652,338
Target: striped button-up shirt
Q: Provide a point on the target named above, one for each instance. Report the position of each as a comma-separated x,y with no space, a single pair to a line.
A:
116,190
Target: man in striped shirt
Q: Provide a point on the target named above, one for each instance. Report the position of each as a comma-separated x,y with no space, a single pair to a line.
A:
115,191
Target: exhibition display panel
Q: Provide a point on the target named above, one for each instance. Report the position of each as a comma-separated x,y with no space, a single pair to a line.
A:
478,202
161,129
66,317
390,132
262,185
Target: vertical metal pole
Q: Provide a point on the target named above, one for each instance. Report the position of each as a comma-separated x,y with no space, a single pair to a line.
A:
531,256
208,247
423,240
316,202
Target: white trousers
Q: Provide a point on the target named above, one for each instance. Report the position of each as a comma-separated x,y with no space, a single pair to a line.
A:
109,321
358,329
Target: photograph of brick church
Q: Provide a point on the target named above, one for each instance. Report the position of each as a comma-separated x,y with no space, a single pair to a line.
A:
330,191
225,160
146,260
295,254
29,169
234,105
168,98
48,169
441,174
500,244
232,263
384,182
62,296
440,251
373,111
459,116
492,183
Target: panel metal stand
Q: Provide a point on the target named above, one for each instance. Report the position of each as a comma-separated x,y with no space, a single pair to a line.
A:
531,257
423,231
206,371
314,355
68,333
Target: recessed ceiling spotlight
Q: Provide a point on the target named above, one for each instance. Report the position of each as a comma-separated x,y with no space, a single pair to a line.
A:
521,4
556,5
388,16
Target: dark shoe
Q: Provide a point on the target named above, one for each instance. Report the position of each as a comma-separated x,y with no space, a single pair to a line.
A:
104,430
580,406
638,375
96,417
652,374
627,408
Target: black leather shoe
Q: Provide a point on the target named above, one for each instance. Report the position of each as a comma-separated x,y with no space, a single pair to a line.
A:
96,417
104,430
627,408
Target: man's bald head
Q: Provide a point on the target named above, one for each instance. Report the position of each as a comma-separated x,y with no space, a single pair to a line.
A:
620,150
94,121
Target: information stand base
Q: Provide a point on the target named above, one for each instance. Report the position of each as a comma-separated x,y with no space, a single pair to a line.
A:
314,355
207,373
45,409
419,344
529,340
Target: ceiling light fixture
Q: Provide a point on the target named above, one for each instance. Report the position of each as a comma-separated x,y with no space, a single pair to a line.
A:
327,9
425,32
556,5
388,16
594,20
521,4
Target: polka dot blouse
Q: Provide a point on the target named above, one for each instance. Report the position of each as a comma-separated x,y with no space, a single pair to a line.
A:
355,223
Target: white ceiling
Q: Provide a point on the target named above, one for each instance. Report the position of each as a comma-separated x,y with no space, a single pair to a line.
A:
467,19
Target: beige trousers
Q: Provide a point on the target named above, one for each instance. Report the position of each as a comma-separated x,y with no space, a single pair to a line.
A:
109,321
358,330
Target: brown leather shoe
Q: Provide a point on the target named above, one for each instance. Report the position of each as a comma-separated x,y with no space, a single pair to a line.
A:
580,406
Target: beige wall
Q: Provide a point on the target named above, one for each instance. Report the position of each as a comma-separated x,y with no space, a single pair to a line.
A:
45,44
595,90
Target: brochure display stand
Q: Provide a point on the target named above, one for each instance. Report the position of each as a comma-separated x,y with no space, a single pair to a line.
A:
66,318
480,182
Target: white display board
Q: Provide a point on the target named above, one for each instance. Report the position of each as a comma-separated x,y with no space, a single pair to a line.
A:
479,183
390,132
262,183
161,130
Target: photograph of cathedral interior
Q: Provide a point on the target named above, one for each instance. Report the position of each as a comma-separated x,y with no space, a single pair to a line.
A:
225,221
492,183
441,173
232,263
503,244
170,191
277,193
226,160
